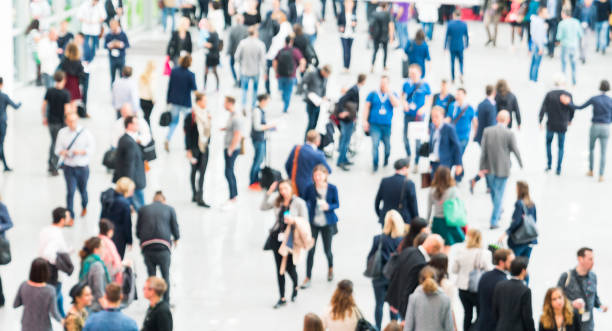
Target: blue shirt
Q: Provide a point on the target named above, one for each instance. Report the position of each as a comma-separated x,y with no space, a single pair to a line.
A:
464,124
381,109
444,103
602,108
417,54
111,319
417,97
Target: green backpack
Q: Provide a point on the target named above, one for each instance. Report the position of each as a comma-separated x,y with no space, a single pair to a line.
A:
454,212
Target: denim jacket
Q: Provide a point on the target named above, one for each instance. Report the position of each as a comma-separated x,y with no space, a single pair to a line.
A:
573,290
5,220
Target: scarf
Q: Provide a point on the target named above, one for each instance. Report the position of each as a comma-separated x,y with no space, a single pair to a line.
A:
200,117
88,262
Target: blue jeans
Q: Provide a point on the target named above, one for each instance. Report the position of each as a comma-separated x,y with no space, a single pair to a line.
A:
244,85
90,46
407,120
380,132
232,63
402,33
462,145
116,64
137,200
267,73
176,111
602,35
381,285
536,58
524,251
229,172
569,53
497,186
347,44
313,116
60,299
428,28
285,85
165,13
459,56
76,178
260,153
561,143
346,131
601,132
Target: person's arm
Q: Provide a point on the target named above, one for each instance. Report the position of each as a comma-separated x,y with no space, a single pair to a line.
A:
412,200
454,140
333,202
527,312
374,247
517,111
395,101
108,40
484,150
234,143
586,104
52,308
18,300
377,200
391,30
5,219
430,203
174,226
127,226
466,37
515,150
446,38
126,41
12,103
44,111
543,111
410,324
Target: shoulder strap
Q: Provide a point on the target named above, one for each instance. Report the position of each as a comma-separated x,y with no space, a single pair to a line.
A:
400,205
567,280
74,139
296,154
416,87
456,120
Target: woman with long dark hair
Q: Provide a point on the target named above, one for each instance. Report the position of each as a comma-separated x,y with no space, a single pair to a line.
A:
342,313
418,51
291,223
557,312
442,189
37,298
93,271
506,100
418,225
522,207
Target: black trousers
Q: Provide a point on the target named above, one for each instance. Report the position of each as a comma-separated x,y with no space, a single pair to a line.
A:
2,301
290,269
326,234
147,109
154,258
377,44
200,167
469,301
203,8
53,130
2,136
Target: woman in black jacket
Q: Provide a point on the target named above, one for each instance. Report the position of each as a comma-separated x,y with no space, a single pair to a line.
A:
557,313
116,208
180,42
506,100
197,140
214,54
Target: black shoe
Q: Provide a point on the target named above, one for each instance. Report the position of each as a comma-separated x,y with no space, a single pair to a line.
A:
349,163
294,295
493,227
194,198
547,170
472,184
344,167
386,163
54,173
201,203
280,303
7,169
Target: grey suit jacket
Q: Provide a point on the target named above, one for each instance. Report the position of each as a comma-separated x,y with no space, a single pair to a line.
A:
497,143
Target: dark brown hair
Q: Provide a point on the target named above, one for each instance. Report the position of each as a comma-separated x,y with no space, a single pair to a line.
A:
113,292
39,270
502,87
312,322
185,61
522,192
419,38
89,246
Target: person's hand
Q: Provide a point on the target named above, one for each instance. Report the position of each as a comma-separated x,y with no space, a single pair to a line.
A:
272,187
578,304
447,119
540,52
420,111
405,105
45,121
289,220
569,123
341,29
541,127
366,126
230,152
324,206
343,114
604,308
502,237
565,99
175,243
483,172
189,155
458,170
63,153
119,11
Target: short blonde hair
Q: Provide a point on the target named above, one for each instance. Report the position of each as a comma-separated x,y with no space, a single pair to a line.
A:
474,239
124,185
394,224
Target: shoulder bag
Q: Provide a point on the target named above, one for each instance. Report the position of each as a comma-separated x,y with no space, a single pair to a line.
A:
165,119
400,205
148,151
475,274
391,265
454,212
296,154
374,267
5,251
59,161
362,323
527,231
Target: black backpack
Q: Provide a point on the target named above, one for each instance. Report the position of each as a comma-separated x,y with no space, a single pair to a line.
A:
284,63
374,28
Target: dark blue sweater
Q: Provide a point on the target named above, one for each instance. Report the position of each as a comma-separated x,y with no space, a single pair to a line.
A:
602,108
389,245
121,36
5,101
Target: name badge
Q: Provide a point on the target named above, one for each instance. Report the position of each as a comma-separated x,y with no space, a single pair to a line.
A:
413,106
586,316
115,53
382,111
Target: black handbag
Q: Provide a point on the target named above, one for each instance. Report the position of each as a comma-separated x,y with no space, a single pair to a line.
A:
424,149
527,231
148,151
375,266
269,176
268,244
165,118
5,251
362,323
391,265
109,158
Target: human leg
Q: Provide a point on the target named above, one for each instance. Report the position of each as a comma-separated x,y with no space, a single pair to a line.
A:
604,135
453,56
380,291
407,119
164,266
346,131
280,278
385,47
2,136
176,111
561,144
549,138
375,134
572,60
82,176
592,139
327,236
201,167
71,183
376,44
53,130
310,258
229,172
232,64
386,138
498,184
467,301
260,152
345,52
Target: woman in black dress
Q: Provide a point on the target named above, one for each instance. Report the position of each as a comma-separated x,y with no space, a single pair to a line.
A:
212,58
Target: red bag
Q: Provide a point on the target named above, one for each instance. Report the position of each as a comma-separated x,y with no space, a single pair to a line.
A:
167,68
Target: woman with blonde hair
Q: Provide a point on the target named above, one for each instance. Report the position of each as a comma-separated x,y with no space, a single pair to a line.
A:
387,242
116,208
342,313
557,313
442,189
429,309
471,258
291,223
146,91
75,72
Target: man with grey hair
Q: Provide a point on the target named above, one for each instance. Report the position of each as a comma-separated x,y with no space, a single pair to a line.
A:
498,142
559,113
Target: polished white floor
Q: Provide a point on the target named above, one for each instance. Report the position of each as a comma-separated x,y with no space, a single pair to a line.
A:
221,279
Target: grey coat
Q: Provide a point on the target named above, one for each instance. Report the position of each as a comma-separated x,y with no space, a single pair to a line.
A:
314,82
497,143
428,312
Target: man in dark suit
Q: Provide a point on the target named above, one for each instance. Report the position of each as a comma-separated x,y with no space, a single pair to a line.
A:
456,41
129,162
405,278
308,156
157,230
487,112
512,300
346,120
502,258
444,148
397,192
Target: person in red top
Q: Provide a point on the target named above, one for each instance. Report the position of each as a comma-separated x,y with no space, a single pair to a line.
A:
285,64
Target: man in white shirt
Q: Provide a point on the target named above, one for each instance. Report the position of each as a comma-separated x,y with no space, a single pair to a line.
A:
75,146
144,131
47,54
125,90
91,14
52,242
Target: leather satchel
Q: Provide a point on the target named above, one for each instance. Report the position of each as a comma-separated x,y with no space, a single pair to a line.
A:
425,180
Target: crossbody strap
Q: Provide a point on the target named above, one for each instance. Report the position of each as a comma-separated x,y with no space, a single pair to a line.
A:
400,205
456,120
74,139
296,154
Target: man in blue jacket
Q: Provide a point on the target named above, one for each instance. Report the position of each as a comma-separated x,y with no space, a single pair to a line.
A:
397,192
308,156
456,41
116,42
444,148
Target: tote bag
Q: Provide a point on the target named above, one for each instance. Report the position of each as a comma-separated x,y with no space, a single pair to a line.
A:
454,212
